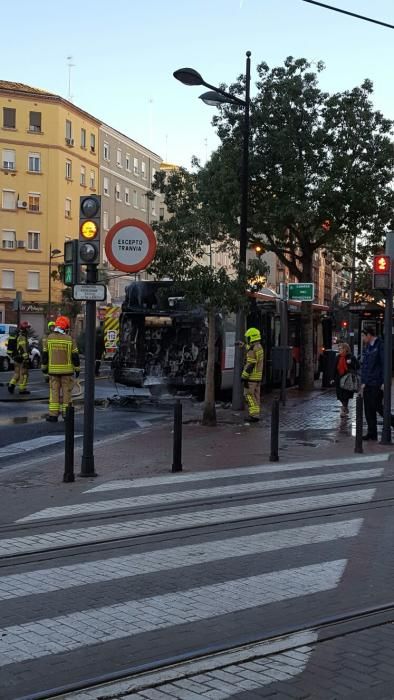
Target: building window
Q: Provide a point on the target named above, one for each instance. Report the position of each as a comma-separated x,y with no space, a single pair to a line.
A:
154,206
9,162
34,202
117,219
135,199
33,240
127,195
34,165
153,175
92,143
83,138
106,186
83,176
143,170
161,213
69,130
9,199
35,121
67,208
135,166
9,118
119,158
143,202
69,170
92,180
8,239
128,162
106,151
117,192
8,279
33,280
105,221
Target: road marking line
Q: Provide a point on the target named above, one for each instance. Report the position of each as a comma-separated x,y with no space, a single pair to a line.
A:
251,488
33,640
63,577
28,445
237,471
178,521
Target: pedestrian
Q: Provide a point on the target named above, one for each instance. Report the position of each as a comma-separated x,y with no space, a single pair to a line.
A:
50,329
60,361
99,350
252,373
20,358
346,364
372,378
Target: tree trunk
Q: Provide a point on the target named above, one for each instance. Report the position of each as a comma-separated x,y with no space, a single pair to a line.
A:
209,414
306,366
307,372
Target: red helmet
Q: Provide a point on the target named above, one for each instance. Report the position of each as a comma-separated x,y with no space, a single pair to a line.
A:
24,325
62,322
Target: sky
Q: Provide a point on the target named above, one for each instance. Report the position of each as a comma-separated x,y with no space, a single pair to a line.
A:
124,55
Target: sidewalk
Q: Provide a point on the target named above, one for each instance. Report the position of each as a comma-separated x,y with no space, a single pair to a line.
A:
310,429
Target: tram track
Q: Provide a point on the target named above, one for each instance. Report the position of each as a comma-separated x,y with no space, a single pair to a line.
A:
136,539
142,676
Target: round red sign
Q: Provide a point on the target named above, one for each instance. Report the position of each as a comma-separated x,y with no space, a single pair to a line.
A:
130,245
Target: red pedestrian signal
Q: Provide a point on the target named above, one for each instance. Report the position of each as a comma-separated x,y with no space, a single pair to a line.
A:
326,225
381,278
344,324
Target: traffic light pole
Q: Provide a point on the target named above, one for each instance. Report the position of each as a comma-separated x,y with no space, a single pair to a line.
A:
87,464
388,345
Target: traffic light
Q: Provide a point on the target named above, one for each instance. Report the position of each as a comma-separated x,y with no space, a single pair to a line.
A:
71,269
326,225
344,324
381,275
89,230
258,248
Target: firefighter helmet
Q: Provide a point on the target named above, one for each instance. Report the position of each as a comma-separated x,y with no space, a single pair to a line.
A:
62,322
252,335
24,325
51,325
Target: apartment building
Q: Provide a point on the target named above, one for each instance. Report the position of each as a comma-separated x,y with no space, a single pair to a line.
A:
49,157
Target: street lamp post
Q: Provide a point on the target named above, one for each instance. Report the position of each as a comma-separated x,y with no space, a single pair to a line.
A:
53,253
215,97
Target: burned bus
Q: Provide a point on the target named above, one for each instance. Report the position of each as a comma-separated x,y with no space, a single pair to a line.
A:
163,339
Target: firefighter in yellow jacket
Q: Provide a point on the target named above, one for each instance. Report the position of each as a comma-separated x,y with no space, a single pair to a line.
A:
252,373
20,357
60,361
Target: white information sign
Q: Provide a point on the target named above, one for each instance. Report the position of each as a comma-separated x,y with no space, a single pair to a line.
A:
89,292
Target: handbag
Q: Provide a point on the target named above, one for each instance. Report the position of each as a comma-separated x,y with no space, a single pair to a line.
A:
350,382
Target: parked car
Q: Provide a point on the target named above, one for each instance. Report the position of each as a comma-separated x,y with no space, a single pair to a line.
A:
6,362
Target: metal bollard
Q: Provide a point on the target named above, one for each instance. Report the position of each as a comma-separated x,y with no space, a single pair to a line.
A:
358,446
69,445
274,456
177,451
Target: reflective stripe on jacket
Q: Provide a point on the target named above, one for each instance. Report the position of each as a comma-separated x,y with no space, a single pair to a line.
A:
253,369
60,354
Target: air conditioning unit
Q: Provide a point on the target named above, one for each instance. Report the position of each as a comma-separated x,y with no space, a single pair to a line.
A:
20,244
22,205
69,142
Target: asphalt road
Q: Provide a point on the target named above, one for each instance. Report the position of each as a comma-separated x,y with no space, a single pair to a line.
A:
24,431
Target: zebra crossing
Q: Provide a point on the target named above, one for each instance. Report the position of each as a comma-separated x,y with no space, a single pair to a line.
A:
166,569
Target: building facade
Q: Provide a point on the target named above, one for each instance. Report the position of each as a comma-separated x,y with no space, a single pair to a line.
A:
49,158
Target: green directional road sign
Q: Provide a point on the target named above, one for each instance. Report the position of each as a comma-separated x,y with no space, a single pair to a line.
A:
302,291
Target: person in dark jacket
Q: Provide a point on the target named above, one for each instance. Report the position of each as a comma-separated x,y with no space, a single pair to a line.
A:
372,378
346,362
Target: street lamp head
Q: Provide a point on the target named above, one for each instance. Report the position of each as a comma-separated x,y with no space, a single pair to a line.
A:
188,76
55,251
214,99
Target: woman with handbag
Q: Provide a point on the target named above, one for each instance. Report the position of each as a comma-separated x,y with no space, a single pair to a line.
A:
345,378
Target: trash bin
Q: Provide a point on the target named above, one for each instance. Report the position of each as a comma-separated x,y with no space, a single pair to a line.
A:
328,362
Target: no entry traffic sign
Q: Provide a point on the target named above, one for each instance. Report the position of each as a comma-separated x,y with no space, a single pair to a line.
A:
130,245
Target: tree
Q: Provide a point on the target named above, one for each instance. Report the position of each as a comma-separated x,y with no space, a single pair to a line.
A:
186,243
321,170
